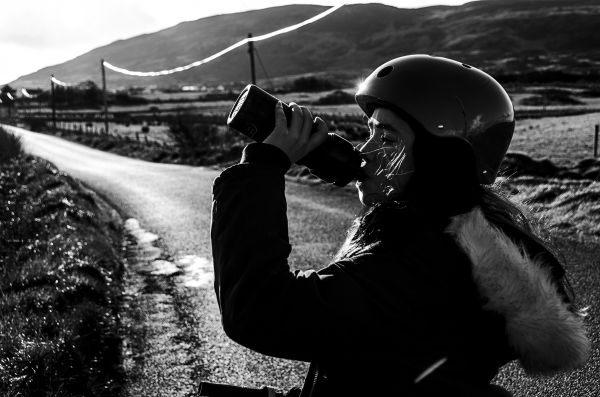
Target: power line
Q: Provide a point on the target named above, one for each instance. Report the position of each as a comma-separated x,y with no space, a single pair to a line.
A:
226,50
25,93
58,82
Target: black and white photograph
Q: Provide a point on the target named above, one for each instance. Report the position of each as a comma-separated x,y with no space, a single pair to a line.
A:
310,198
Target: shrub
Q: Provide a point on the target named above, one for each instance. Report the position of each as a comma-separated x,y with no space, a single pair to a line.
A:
311,84
198,137
10,146
337,97
124,99
34,124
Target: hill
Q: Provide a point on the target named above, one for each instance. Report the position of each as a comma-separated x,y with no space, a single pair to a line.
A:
506,37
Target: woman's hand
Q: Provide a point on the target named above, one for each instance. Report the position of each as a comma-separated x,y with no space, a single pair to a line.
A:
297,140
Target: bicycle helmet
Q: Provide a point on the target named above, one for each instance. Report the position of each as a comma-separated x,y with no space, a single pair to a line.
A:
448,99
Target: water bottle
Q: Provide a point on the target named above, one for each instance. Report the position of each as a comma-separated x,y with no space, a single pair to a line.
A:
335,161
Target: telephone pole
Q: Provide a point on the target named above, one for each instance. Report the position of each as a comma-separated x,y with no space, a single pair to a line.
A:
251,52
104,96
53,101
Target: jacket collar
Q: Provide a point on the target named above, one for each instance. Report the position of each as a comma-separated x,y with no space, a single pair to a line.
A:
546,335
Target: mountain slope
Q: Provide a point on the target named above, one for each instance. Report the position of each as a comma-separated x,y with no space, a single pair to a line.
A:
509,36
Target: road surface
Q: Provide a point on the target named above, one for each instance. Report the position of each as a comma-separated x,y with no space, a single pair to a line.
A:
181,339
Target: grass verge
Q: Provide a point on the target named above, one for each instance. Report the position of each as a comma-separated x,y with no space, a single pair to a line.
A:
60,279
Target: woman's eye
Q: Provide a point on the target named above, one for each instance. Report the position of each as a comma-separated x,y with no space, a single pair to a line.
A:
386,139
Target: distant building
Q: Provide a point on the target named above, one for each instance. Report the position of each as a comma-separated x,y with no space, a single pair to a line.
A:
190,88
150,89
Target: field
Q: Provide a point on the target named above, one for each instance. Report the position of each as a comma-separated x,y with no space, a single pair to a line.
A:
564,140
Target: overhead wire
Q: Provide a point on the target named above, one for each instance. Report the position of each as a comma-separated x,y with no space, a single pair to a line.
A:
58,82
226,50
25,93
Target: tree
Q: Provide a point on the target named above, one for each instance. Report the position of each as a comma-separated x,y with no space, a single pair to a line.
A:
91,95
7,96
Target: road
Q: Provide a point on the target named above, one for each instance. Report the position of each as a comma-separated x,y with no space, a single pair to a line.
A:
182,338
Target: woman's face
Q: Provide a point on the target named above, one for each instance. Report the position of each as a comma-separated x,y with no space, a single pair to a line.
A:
387,158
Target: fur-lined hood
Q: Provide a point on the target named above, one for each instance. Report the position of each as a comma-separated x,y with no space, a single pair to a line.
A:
547,336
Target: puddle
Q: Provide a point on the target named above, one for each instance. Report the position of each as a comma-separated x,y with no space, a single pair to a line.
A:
163,268
144,248
141,236
197,271
193,271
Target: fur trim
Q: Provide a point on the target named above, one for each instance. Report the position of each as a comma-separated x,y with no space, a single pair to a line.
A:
547,336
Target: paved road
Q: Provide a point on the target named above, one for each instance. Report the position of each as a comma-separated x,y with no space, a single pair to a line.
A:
174,201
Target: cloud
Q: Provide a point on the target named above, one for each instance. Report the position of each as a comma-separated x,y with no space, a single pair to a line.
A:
70,22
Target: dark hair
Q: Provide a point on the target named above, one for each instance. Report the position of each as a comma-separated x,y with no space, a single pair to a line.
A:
445,184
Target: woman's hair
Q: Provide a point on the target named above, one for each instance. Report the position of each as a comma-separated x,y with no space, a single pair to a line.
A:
445,184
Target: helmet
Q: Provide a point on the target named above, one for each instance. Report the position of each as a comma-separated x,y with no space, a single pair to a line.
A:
447,99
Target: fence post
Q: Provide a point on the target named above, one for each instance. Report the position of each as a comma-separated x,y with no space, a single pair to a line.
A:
596,140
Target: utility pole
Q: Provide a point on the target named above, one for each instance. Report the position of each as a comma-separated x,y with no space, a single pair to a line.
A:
104,96
53,101
251,52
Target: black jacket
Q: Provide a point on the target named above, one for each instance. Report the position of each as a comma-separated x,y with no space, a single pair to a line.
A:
374,323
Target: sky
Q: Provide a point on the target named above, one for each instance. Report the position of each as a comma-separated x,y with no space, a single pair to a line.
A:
39,33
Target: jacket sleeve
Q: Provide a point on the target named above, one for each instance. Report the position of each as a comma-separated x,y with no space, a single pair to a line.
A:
264,305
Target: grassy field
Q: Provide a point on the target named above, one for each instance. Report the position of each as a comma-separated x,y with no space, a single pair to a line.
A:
564,140
569,208
60,283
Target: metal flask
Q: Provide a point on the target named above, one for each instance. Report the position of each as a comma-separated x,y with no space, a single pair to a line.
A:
336,161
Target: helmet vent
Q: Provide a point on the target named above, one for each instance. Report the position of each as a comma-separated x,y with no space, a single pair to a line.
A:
385,71
467,66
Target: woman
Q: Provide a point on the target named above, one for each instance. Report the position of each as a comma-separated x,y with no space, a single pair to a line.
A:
440,281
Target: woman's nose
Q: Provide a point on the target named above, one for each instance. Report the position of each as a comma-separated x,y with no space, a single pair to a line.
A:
367,150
